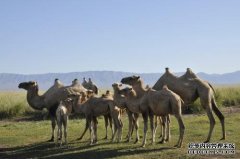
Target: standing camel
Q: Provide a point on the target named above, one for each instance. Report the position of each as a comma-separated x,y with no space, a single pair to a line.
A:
95,107
121,102
50,99
189,87
151,102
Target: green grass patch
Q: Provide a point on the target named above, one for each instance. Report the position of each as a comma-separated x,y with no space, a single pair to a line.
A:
28,140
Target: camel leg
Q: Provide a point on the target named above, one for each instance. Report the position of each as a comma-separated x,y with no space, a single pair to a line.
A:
151,117
168,128
85,130
145,119
89,120
53,122
130,125
181,130
212,123
95,130
163,125
111,124
136,127
220,116
106,126
155,123
65,129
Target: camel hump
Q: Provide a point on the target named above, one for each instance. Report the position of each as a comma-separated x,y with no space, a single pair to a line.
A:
75,82
189,74
165,87
58,83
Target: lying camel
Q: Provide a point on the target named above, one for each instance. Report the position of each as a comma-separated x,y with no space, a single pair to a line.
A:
94,107
150,102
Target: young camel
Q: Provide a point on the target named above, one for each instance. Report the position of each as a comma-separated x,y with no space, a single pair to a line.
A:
63,111
107,117
120,101
94,107
150,102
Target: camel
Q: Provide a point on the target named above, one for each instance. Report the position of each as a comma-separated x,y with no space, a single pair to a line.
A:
151,102
107,117
120,101
90,85
50,99
63,111
190,87
94,107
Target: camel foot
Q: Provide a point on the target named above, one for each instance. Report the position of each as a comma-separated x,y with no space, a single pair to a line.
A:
223,138
177,146
105,138
162,142
136,141
143,145
160,136
51,140
80,138
206,141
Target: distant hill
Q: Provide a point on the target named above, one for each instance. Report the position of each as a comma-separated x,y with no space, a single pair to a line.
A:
103,79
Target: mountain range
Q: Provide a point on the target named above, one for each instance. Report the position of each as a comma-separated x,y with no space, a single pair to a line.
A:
103,79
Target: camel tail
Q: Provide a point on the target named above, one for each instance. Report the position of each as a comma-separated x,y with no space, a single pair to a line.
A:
216,109
220,116
212,88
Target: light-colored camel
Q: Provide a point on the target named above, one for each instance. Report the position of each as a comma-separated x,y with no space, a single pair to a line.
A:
63,111
107,117
150,102
90,85
190,87
94,107
121,102
50,99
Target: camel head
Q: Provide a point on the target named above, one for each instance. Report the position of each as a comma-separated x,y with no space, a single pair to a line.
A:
28,85
132,80
116,86
128,92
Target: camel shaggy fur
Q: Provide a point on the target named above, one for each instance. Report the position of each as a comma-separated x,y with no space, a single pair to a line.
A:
189,87
150,102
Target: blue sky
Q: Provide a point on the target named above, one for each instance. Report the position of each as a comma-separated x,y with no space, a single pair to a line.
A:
119,35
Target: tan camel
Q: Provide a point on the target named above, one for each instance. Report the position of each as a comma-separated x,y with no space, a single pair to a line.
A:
94,107
190,87
107,117
120,101
50,99
150,102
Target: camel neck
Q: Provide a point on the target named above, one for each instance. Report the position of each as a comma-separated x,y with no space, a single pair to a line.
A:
34,100
139,89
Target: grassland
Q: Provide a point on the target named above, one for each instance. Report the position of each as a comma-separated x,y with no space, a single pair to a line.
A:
20,138
28,140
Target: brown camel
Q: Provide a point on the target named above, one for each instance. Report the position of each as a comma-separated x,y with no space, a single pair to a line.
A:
50,99
150,102
190,87
94,107
121,102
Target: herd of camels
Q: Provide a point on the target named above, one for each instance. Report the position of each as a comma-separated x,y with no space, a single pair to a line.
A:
167,97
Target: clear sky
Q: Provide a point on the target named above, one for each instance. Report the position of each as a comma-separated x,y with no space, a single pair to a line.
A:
119,35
